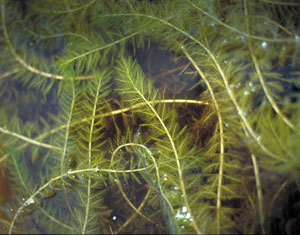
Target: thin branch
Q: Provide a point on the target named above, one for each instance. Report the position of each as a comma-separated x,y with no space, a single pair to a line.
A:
64,151
90,156
101,48
20,60
31,141
220,120
21,178
179,168
123,110
262,80
157,176
130,219
247,35
258,186
259,192
30,200
8,73
46,74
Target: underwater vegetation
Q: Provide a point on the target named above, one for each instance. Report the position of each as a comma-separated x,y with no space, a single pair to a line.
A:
166,116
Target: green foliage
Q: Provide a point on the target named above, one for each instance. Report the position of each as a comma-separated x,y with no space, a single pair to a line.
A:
97,135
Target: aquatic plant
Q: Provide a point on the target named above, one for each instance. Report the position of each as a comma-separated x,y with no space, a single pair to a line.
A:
174,116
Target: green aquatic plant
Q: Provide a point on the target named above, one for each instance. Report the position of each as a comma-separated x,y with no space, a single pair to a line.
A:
130,116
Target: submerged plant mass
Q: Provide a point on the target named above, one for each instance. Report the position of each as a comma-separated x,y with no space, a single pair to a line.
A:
151,116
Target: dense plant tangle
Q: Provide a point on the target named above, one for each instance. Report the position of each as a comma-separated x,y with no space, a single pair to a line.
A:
152,116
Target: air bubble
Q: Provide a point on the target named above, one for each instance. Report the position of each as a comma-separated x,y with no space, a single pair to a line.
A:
188,215
246,92
253,89
224,41
250,83
226,125
114,217
184,209
258,138
264,45
96,169
165,176
179,215
29,201
238,85
69,171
